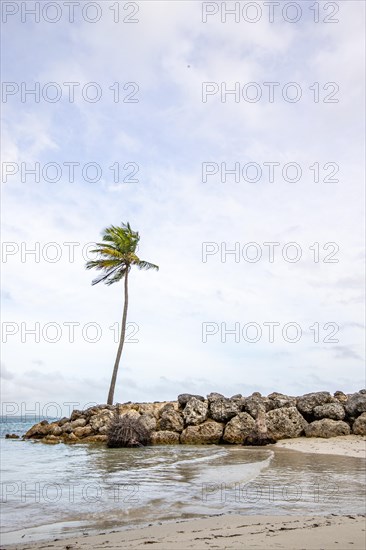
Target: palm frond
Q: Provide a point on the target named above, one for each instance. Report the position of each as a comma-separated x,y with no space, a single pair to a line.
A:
108,251
116,253
117,277
104,276
141,264
123,237
104,264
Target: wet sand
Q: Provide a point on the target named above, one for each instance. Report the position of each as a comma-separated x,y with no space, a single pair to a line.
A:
224,532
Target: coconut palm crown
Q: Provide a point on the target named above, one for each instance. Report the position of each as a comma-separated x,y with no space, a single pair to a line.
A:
116,254
115,257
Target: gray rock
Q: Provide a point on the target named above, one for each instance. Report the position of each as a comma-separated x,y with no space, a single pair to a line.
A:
171,421
103,418
103,429
256,403
210,432
258,440
66,428
359,425
165,438
195,412
149,421
327,428
356,404
63,421
83,431
240,401
55,429
38,430
76,414
97,409
279,400
340,396
183,398
285,422
166,407
149,408
131,414
306,403
70,438
222,410
335,411
79,423
259,436
213,396
238,428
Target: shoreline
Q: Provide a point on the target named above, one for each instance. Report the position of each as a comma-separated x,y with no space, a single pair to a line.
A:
234,530
311,532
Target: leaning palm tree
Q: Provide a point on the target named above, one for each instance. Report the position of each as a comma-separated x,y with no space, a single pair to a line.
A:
116,256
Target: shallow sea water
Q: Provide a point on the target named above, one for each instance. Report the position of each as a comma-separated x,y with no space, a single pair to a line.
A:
51,491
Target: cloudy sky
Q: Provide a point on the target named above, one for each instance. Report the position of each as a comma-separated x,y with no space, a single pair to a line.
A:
209,133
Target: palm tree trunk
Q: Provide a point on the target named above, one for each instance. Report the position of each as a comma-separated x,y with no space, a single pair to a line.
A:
120,346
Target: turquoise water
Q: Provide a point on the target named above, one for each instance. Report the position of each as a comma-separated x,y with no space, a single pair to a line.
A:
86,488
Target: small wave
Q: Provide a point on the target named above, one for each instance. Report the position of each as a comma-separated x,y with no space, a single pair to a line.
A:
230,474
213,456
164,463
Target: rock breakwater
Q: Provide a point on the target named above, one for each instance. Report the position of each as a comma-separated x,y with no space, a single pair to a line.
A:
194,419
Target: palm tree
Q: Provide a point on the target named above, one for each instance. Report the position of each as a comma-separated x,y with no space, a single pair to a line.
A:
116,256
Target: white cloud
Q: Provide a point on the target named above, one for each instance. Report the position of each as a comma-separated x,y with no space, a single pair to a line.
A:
169,133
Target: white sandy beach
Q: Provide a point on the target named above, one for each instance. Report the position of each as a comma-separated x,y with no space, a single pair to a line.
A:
344,445
239,531
232,531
